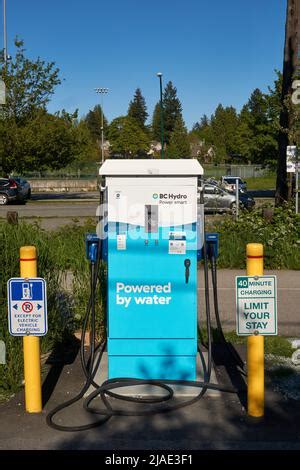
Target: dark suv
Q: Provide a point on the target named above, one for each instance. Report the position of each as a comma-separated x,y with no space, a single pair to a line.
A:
14,189
229,182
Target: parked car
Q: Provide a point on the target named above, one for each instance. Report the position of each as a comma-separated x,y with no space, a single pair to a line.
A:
24,186
217,199
229,182
14,189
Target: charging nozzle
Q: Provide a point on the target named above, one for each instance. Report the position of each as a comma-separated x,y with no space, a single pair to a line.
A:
212,246
212,243
92,244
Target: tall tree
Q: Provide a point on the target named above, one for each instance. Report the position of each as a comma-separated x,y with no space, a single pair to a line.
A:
179,146
127,138
172,110
156,123
290,71
137,108
224,124
257,133
201,139
93,121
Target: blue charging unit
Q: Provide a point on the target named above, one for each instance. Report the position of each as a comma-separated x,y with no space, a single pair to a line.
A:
151,239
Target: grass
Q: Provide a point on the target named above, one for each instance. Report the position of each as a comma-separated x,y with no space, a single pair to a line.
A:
58,252
261,182
278,346
275,345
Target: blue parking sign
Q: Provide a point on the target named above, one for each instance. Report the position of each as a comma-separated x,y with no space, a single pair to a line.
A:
27,306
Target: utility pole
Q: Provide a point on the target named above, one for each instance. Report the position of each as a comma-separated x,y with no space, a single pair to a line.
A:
4,32
5,57
291,69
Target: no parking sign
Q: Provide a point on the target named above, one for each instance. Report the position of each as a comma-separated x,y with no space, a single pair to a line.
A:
27,306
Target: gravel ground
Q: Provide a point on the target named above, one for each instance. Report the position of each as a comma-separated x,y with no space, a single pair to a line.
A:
285,376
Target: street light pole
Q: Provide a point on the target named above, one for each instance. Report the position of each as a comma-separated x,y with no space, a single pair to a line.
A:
159,74
4,32
102,91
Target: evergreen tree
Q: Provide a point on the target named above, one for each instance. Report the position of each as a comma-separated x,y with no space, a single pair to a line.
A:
156,123
202,124
201,139
138,109
224,124
179,146
258,132
172,110
93,121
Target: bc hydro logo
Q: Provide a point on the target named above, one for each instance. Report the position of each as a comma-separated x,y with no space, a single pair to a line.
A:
168,196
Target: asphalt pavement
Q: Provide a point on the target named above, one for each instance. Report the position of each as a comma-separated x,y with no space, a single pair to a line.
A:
55,209
212,423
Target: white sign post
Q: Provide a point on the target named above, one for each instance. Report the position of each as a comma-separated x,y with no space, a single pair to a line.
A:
291,156
2,92
292,166
256,305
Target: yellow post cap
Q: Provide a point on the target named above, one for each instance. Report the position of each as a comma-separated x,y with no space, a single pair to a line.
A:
255,249
27,253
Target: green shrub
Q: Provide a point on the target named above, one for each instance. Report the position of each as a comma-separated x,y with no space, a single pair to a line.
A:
61,257
60,321
68,246
280,237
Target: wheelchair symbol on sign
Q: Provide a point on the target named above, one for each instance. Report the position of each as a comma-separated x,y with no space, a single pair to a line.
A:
27,307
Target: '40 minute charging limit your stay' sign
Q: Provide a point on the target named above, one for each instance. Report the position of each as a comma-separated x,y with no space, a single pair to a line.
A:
256,305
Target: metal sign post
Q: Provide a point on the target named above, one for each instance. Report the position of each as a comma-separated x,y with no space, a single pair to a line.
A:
237,198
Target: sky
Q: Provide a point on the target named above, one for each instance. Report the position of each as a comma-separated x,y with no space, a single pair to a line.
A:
213,51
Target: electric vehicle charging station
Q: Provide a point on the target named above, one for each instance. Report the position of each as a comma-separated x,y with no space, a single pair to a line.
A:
149,238
150,242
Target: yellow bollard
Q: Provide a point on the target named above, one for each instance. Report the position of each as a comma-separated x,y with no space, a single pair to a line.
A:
31,344
255,349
